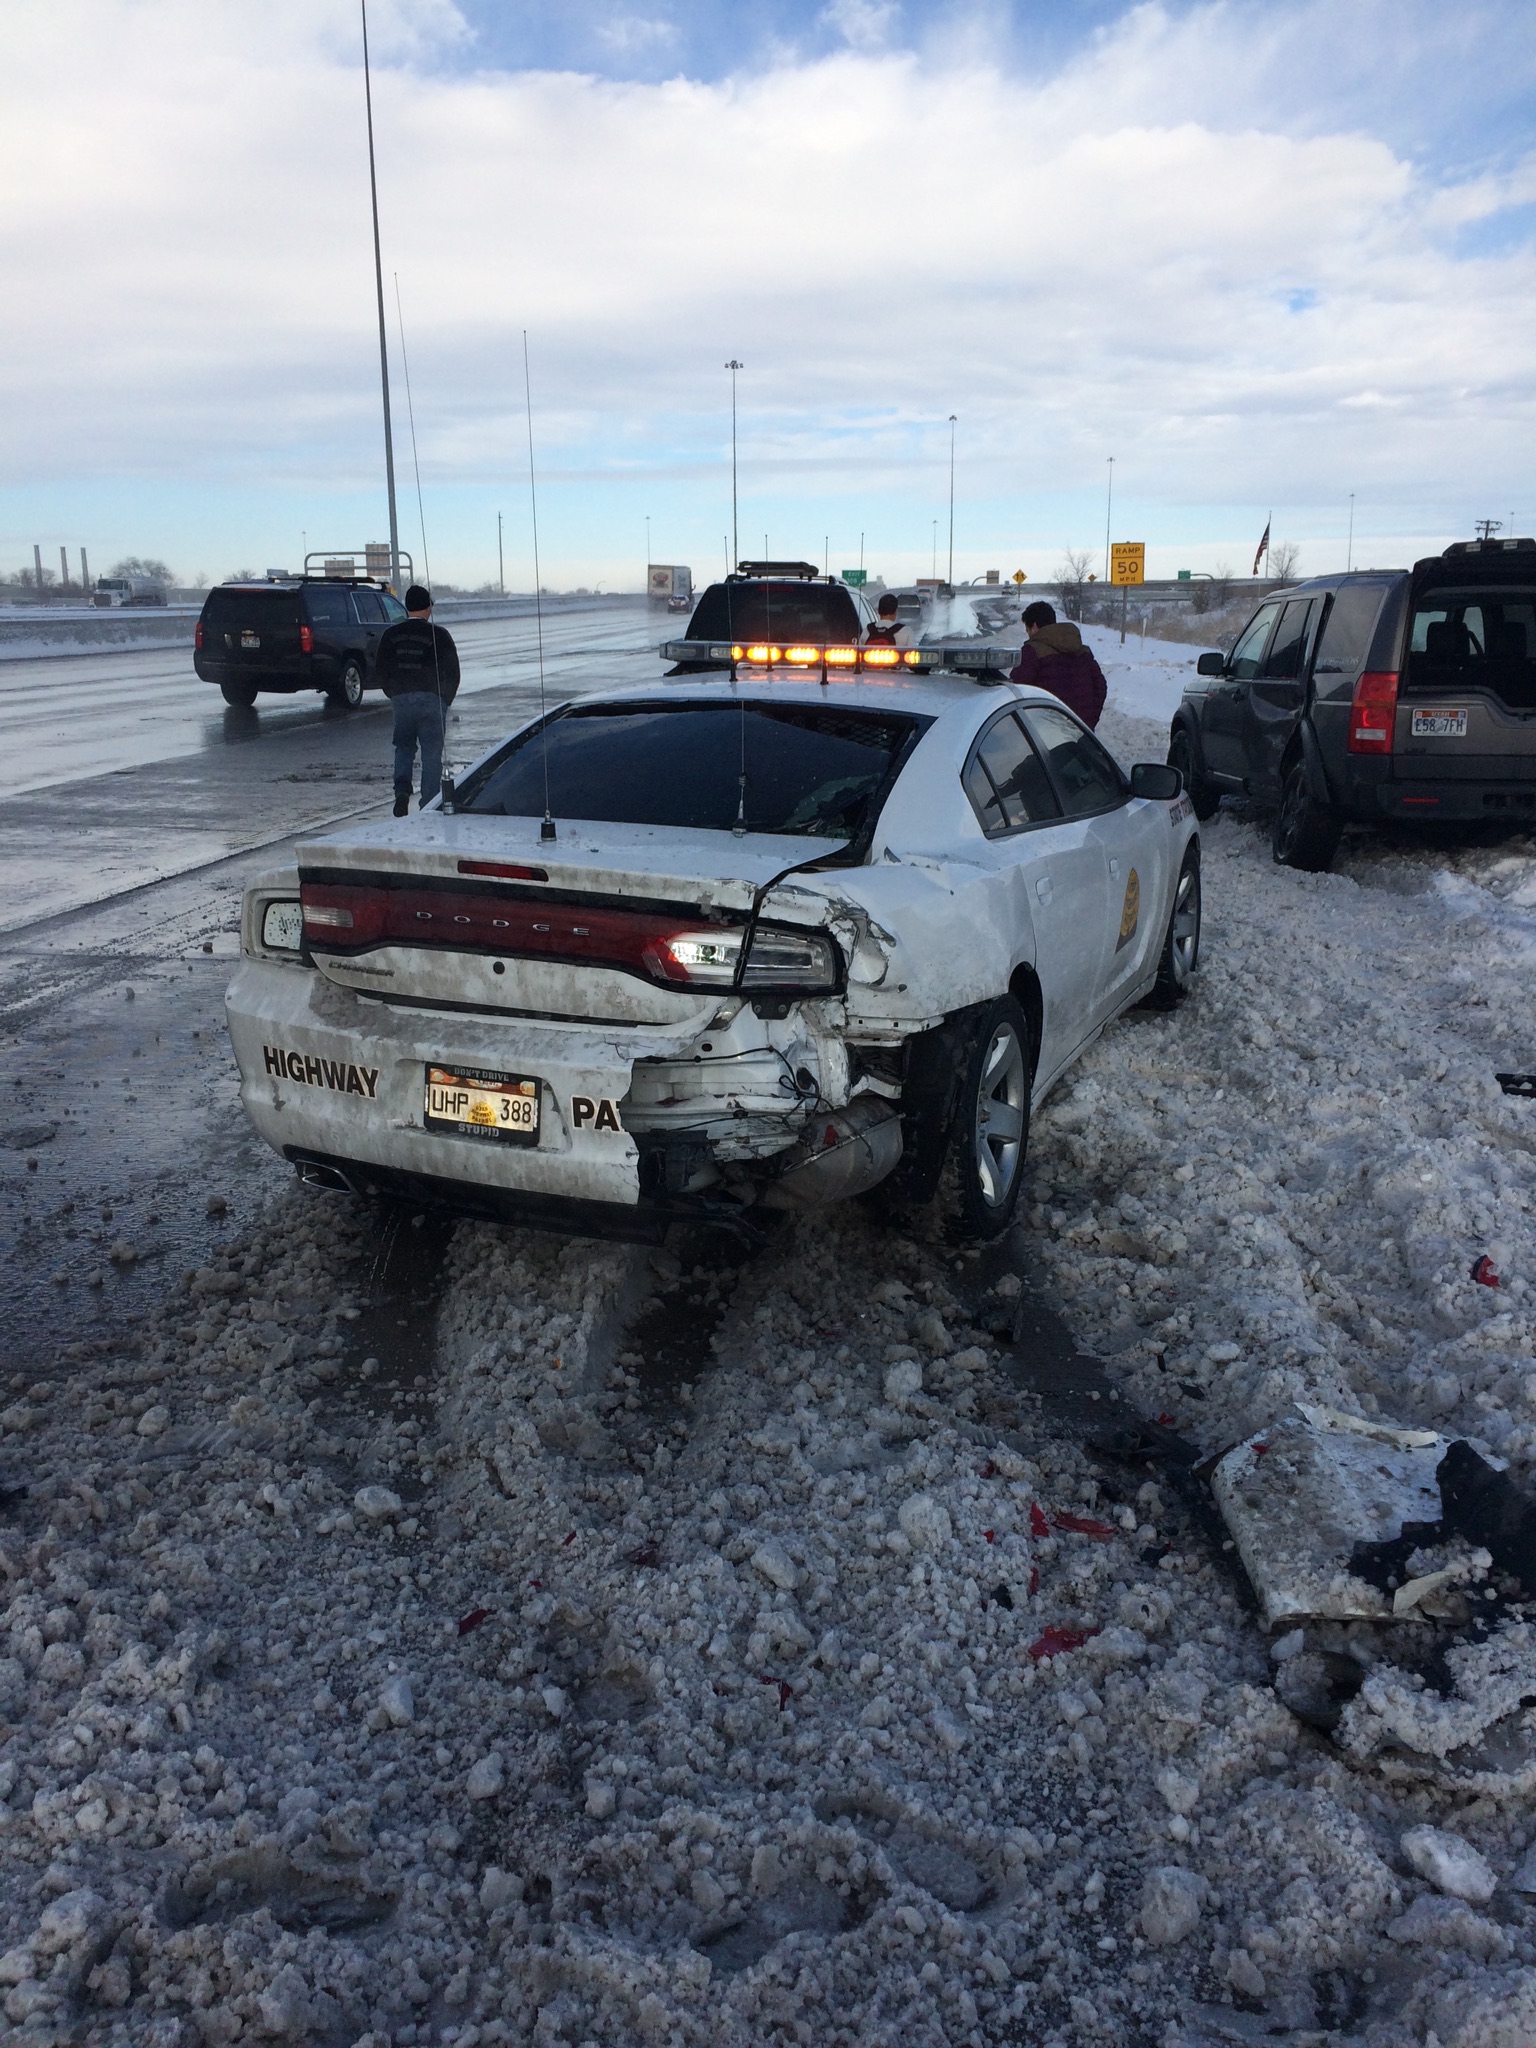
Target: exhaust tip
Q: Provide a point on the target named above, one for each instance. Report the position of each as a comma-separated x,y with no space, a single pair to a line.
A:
315,1175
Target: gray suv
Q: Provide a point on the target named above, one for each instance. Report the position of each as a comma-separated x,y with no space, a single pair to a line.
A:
1390,694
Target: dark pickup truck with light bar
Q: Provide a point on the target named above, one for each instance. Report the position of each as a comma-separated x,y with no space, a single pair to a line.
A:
788,616
1388,694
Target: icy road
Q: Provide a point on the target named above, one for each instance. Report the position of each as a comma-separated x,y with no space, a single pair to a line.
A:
428,1633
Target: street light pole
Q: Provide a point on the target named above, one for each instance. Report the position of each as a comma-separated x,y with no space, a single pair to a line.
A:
950,578
1108,510
733,366
1349,556
378,278
501,560
647,554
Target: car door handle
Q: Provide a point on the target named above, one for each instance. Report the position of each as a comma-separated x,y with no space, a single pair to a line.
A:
1043,888
1114,865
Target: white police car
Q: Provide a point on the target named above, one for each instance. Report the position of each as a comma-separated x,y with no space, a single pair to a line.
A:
767,939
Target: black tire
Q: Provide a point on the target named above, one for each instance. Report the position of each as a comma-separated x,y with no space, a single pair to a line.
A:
990,1137
1181,755
238,696
1181,941
1306,833
346,693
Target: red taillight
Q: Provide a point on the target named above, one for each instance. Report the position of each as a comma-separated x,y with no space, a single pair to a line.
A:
1373,714
197,636
306,640
347,917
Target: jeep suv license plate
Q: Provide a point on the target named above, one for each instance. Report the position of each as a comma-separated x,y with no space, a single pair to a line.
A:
249,639
1439,725
475,1102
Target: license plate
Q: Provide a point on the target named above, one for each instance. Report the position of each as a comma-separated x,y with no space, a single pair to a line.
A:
250,639
474,1102
1439,725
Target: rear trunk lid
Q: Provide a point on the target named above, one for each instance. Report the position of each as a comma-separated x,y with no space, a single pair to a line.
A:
474,913
1467,700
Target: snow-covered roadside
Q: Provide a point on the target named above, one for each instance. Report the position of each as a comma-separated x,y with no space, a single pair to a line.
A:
526,1699
1282,1189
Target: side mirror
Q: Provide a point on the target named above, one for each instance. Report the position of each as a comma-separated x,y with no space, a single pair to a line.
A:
1211,665
1156,781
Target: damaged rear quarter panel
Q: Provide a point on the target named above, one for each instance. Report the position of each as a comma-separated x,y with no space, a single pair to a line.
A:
935,921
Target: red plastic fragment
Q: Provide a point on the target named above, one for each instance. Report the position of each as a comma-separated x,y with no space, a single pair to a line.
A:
990,1534
988,1471
1261,1450
537,1584
1038,1525
565,1545
1166,1421
1085,1525
1034,1579
468,1623
1484,1273
1055,1639
786,1693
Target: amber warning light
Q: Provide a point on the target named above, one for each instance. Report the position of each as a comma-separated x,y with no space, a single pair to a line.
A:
760,654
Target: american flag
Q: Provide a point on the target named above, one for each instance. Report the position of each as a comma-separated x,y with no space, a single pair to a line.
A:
1263,549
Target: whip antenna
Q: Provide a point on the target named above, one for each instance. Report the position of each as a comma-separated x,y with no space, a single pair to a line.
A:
426,560
547,829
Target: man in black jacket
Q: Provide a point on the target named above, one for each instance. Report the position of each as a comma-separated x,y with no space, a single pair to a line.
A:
418,670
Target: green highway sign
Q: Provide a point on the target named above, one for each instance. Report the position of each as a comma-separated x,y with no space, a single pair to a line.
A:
854,576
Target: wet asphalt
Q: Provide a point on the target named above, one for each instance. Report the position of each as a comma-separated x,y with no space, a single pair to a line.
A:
124,1156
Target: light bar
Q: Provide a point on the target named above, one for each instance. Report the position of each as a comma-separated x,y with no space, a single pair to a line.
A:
965,658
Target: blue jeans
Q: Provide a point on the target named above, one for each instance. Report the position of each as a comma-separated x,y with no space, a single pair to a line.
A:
419,721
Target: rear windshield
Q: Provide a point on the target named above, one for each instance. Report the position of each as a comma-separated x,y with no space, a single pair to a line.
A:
1478,640
820,770
775,611
229,608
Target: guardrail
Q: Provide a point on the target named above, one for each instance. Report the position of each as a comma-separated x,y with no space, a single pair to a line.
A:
31,631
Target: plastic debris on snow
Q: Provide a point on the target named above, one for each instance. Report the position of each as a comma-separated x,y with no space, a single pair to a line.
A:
1302,1494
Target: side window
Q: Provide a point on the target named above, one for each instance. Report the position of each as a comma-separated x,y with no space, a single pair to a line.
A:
1288,650
1084,774
394,610
328,606
1005,781
1347,631
1243,662
368,607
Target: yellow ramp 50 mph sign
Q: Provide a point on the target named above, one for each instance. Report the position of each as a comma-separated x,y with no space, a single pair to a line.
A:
1128,562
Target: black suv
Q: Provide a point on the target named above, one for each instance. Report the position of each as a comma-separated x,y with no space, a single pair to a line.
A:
1402,694
314,633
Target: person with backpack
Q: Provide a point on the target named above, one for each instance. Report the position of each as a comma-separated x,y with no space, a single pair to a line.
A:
888,631
418,671
1054,658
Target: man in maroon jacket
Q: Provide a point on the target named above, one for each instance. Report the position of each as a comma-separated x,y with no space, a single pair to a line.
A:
1054,658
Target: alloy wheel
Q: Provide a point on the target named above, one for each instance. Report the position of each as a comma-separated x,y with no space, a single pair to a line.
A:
1002,1106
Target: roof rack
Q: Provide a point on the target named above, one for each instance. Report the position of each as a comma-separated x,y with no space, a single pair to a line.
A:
805,570
340,565
1491,547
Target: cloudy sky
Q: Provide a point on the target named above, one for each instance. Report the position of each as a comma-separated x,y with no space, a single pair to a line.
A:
1262,255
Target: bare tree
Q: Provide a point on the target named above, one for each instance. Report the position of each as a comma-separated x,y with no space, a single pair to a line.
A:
1283,557
142,565
1072,580
1221,587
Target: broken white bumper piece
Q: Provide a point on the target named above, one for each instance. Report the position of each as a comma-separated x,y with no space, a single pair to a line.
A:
1301,1494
